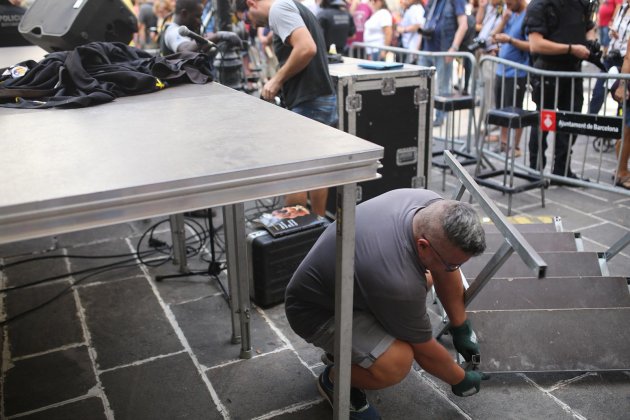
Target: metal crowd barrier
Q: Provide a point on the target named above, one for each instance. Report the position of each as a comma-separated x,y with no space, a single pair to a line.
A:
596,129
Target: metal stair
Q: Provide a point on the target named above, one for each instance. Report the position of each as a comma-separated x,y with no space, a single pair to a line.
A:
574,319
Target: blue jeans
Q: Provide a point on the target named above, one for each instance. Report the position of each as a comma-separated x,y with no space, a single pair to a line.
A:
322,109
599,91
444,77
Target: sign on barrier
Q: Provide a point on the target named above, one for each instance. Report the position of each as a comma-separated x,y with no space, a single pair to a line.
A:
576,123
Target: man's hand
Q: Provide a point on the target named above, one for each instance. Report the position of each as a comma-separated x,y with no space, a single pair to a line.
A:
465,340
271,89
580,51
470,385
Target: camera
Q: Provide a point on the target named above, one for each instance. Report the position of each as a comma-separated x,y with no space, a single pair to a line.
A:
427,33
476,44
615,56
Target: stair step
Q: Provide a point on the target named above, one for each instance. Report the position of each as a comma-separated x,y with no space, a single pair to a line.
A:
552,293
540,241
553,340
559,264
523,227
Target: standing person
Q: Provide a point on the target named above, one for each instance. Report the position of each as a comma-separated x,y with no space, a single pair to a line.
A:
558,31
619,36
622,147
337,24
514,47
378,29
412,21
361,12
188,13
403,238
147,23
303,77
444,30
605,13
10,17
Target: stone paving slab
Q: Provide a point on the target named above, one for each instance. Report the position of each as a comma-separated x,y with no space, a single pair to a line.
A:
264,384
89,236
39,269
113,247
207,325
33,332
88,408
126,322
596,396
47,379
166,388
414,398
27,247
508,397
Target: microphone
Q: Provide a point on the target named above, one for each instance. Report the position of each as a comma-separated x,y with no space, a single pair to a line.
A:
184,31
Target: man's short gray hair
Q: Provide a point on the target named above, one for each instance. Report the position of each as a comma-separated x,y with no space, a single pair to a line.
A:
462,227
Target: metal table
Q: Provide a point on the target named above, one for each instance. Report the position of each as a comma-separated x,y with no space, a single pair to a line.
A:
181,149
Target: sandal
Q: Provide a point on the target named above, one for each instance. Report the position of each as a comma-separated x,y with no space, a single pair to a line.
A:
624,182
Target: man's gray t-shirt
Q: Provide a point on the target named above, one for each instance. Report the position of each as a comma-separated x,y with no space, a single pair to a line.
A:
389,280
285,16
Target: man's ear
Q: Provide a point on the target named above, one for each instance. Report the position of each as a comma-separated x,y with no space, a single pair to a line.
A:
250,3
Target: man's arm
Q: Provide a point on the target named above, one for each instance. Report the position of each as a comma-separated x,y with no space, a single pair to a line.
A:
462,27
437,361
621,93
503,38
303,51
539,45
450,290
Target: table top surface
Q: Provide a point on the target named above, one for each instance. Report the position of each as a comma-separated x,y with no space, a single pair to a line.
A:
185,147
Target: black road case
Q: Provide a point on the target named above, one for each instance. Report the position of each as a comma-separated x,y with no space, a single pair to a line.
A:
272,262
391,108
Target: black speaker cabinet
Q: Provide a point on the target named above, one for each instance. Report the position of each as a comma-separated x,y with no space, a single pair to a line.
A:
61,25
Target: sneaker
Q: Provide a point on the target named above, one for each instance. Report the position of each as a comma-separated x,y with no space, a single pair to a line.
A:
328,359
360,408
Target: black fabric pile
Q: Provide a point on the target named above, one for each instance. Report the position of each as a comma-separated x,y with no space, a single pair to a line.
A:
97,73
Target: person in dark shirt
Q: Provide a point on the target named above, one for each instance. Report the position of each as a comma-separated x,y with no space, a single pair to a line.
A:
558,32
10,17
337,24
303,79
147,21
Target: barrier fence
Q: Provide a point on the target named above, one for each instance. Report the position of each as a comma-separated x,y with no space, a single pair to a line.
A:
584,149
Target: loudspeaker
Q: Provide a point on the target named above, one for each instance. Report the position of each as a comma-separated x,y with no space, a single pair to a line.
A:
61,25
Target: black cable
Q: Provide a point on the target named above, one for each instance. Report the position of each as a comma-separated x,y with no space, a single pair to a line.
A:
60,276
71,256
58,295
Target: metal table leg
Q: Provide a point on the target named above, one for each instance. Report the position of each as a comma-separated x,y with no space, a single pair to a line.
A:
344,284
234,222
178,236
